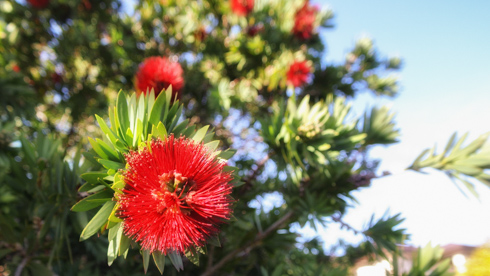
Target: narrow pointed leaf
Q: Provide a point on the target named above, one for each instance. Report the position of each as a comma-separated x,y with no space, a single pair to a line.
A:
193,257
176,260
97,221
214,240
159,260
146,259
92,177
93,201
108,164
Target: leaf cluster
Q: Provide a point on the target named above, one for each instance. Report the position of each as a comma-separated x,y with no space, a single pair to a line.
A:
459,162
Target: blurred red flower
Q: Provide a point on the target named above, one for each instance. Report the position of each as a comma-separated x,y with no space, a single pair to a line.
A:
201,34
159,73
304,21
254,30
298,73
242,7
56,78
16,68
176,195
38,4
86,5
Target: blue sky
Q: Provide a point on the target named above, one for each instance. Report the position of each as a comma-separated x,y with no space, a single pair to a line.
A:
445,88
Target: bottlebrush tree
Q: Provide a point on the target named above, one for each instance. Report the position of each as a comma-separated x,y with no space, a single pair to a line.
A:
133,135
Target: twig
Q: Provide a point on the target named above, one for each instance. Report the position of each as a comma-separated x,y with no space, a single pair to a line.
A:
344,225
21,266
249,179
247,248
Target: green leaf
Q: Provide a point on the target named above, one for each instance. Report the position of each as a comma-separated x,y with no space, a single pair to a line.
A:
93,201
28,150
122,111
110,151
479,160
468,170
38,269
227,154
304,106
124,246
188,131
159,260
112,216
449,145
112,250
118,185
141,108
158,108
138,134
91,188
199,135
146,259
159,131
212,146
201,249
429,259
278,271
470,161
113,231
98,149
263,271
177,130
108,164
112,118
237,183
90,156
442,268
121,146
108,132
92,177
97,221
417,160
151,99
192,256
458,145
214,240
129,135
475,145
176,260
115,237
467,184
173,117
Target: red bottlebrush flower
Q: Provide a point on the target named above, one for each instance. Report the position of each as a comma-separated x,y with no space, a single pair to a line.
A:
159,73
86,5
304,21
176,195
242,7
254,30
298,73
38,4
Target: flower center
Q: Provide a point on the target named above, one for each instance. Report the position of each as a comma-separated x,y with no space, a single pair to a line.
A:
175,193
